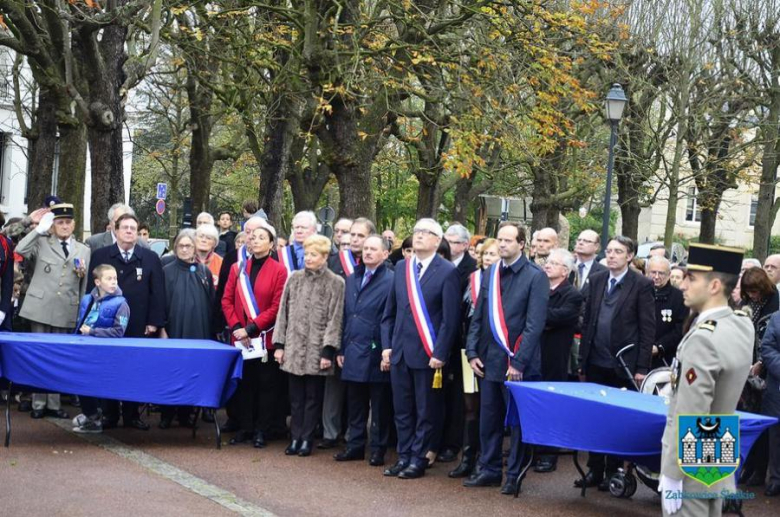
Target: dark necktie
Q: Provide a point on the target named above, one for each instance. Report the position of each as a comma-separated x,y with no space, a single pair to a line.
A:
581,271
126,255
366,279
504,270
64,248
612,282
419,270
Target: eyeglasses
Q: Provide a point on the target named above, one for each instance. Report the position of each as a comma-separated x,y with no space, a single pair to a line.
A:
658,273
555,263
615,251
184,246
423,231
586,241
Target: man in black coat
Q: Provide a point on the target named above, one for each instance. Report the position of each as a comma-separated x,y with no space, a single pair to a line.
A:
563,311
524,292
450,439
670,312
619,311
585,249
140,276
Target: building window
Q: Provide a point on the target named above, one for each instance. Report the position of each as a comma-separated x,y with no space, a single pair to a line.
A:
753,209
692,210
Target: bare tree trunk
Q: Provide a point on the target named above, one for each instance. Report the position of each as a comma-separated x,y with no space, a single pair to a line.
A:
73,169
201,162
281,130
428,194
43,148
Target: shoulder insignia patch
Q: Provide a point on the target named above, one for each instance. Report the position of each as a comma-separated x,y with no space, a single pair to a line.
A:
708,325
740,312
690,376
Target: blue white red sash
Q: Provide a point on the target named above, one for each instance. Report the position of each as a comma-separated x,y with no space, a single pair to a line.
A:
476,284
420,313
287,256
246,292
348,262
496,311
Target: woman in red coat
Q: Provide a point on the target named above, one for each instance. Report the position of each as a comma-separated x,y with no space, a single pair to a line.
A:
251,316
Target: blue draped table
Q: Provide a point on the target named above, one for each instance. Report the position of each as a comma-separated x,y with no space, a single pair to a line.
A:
591,417
179,372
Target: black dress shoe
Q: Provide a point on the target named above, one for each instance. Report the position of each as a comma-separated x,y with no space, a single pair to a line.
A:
305,449
241,437
510,487
604,485
464,469
756,479
327,444
350,455
412,472
744,476
396,469
137,424
259,441
231,426
165,423
37,413
447,455
482,479
772,490
591,479
377,459
57,413
545,466
293,448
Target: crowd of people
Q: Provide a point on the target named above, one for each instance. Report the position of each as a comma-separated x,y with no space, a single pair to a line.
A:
367,340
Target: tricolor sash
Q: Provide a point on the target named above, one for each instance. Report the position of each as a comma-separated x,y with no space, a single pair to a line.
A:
257,348
348,262
476,284
496,311
287,256
419,311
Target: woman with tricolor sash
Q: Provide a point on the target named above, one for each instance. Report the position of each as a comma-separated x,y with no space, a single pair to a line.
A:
487,256
251,302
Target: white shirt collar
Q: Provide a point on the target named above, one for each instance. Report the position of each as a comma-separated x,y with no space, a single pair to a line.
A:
129,252
456,262
503,262
425,263
619,278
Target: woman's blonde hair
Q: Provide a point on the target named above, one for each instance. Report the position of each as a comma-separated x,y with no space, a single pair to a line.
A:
485,245
318,243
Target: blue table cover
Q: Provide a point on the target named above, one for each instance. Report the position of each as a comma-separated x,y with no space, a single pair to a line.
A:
592,417
159,371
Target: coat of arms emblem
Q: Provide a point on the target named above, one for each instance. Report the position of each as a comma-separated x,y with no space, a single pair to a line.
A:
708,446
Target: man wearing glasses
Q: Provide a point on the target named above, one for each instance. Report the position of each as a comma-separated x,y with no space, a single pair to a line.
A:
618,312
585,249
670,311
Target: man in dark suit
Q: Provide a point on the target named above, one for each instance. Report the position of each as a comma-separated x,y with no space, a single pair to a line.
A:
524,292
366,378
585,249
619,311
670,311
140,277
417,352
449,437
333,400
563,312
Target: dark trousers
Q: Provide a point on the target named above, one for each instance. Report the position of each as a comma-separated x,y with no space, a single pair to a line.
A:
449,424
603,463
493,401
359,396
414,402
183,413
555,367
306,392
89,406
129,413
256,395
281,407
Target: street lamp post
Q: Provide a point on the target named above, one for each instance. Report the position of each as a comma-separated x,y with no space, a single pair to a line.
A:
616,101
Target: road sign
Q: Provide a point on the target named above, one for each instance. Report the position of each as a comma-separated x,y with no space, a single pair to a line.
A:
162,190
326,214
160,206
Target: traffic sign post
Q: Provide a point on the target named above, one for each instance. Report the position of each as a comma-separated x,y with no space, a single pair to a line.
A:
160,207
162,190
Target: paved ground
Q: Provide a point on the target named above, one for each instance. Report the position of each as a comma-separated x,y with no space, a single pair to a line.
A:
50,471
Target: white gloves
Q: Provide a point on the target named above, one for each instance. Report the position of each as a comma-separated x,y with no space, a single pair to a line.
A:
2,317
46,221
671,494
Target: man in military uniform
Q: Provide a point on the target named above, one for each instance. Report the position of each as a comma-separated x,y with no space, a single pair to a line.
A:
709,371
58,283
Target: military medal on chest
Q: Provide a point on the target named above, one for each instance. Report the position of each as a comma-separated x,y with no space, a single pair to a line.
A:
666,315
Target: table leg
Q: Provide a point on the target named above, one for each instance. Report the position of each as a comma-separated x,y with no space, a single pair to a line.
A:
528,451
8,414
219,431
195,422
575,456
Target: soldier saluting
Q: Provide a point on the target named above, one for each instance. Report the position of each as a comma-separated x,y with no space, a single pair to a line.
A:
709,370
